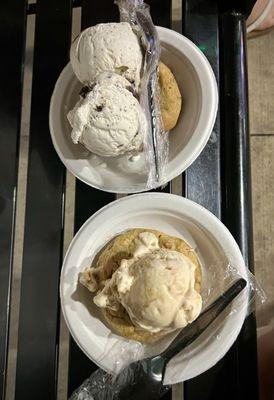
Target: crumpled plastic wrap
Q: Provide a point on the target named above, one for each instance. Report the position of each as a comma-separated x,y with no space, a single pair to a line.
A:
103,386
156,142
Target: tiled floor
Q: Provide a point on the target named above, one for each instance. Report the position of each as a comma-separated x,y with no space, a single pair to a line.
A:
261,94
261,83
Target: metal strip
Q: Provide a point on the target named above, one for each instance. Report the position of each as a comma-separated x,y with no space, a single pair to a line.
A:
13,31
43,240
20,209
203,177
32,6
236,175
64,340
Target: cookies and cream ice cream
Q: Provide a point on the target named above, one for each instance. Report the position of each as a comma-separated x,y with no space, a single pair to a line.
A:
155,286
111,47
109,120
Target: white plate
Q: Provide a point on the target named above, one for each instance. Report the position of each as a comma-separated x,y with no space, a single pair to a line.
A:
119,175
176,216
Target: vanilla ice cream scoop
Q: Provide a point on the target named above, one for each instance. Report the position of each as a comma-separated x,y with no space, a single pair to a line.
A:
155,286
109,120
111,47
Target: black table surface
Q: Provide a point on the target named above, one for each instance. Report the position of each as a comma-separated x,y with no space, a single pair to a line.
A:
219,180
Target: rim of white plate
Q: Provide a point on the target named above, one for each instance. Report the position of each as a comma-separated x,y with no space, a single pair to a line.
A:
210,354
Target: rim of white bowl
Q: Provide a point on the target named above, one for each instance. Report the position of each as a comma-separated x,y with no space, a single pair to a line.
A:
206,120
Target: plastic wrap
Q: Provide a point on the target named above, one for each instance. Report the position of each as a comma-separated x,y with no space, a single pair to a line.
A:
223,278
155,145
101,385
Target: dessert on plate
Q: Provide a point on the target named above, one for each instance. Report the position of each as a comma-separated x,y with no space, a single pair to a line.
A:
146,283
108,119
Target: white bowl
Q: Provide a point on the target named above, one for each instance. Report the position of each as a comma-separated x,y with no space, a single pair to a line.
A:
119,175
176,216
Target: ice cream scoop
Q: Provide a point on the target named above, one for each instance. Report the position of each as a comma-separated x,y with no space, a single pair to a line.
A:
109,120
155,286
111,47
